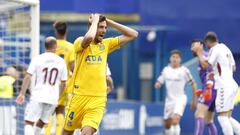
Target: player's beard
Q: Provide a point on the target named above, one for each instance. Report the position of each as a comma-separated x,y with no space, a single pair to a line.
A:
98,39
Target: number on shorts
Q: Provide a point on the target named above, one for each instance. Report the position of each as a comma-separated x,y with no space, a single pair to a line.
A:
53,72
71,115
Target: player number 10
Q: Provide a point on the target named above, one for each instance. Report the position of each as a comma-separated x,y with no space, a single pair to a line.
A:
53,71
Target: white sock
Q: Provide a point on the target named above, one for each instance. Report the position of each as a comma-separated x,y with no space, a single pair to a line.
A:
176,129
169,131
225,124
28,130
235,126
37,130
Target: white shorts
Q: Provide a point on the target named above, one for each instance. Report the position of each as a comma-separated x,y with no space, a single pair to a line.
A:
176,106
37,110
225,99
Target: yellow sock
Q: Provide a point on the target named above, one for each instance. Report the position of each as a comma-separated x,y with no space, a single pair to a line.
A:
60,122
48,127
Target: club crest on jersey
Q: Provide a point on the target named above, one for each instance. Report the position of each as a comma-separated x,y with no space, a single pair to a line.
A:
101,47
93,59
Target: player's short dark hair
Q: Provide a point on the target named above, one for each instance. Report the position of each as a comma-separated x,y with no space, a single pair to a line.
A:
60,27
211,36
50,43
102,18
198,40
178,52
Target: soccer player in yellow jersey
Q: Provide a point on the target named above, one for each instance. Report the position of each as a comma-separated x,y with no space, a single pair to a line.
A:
87,104
65,50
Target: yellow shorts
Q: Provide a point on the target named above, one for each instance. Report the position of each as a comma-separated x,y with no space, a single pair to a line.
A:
84,111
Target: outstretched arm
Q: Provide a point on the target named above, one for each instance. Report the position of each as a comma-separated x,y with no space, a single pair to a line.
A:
26,81
128,34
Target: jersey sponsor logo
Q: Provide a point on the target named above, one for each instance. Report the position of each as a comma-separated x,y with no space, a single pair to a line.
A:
93,59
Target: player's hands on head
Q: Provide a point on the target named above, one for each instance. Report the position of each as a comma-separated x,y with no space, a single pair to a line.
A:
20,99
94,18
196,48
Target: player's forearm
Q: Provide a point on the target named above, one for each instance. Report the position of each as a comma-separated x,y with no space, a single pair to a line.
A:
90,35
127,31
194,88
25,85
202,61
110,82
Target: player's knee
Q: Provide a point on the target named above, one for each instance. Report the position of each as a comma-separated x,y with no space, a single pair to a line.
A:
224,114
199,114
175,120
88,131
167,125
209,118
208,121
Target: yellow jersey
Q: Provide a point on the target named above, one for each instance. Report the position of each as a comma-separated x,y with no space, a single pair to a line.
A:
89,76
65,50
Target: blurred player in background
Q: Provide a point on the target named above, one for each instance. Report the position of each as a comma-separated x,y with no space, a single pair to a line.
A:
109,80
175,76
87,105
65,50
7,82
206,103
49,69
221,59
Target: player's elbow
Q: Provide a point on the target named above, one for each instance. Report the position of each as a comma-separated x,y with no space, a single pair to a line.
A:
88,38
134,34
